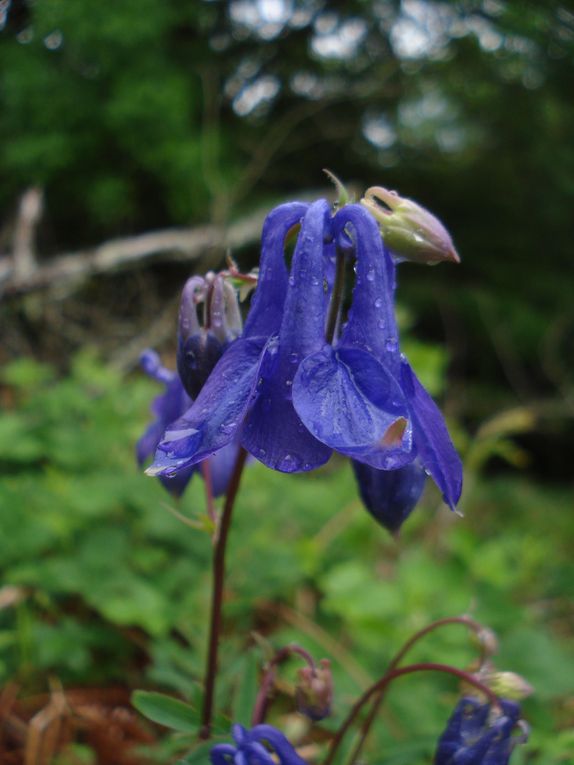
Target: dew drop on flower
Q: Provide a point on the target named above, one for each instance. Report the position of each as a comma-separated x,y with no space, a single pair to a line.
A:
289,464
378,302
371,275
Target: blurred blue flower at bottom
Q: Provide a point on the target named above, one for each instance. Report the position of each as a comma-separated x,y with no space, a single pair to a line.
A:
478,734
250,748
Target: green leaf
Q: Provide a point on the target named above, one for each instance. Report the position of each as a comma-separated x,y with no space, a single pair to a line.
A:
247,687
165,710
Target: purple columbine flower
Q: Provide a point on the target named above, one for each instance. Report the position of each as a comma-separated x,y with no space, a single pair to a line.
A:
200,345
292,396
359,394
477,734
256,747
248,394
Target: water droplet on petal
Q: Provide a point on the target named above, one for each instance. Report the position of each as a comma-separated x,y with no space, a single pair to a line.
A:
391,345
293,358
378,302
292,281
289,464
371,275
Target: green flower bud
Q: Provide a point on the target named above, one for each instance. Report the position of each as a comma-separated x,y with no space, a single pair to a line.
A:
508,685
408,230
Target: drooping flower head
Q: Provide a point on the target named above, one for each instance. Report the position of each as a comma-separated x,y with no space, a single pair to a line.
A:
262,745
292,390
314,690
478,734
200,345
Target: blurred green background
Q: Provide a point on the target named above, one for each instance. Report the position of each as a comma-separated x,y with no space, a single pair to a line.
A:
137,116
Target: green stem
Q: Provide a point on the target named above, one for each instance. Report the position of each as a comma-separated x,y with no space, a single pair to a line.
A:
217,595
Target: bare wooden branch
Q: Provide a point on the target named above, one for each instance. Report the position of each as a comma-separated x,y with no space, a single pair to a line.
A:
73,268
23,247
66,272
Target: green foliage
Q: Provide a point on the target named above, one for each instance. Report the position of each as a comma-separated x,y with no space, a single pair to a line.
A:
100,559
166,711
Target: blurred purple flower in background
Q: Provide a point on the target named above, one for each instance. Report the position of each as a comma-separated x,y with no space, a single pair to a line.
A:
249,748
478,734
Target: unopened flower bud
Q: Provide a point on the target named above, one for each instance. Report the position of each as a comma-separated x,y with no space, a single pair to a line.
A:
200,344
314,692
508,685
409,231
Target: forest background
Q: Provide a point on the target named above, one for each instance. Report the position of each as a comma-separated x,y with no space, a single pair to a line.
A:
191,118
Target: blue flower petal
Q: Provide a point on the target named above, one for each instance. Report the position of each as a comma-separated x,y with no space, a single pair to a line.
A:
215,417
433,443
390,495
222,754
267,303
196,357
371,324
274,433
221,467
349,401
280,743
166,408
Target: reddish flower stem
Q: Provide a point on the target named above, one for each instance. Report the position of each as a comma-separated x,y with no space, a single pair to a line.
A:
217,595
464,620
382,684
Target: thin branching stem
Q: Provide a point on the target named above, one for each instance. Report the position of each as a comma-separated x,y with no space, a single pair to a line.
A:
382,684
261,702
475,626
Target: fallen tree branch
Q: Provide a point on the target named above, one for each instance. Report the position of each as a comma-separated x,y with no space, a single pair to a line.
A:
72,269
